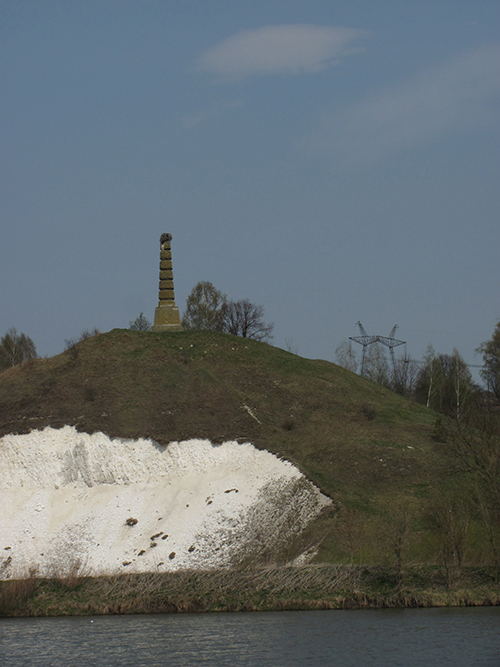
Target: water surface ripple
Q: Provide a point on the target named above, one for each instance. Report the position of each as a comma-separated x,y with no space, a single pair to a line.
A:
413,637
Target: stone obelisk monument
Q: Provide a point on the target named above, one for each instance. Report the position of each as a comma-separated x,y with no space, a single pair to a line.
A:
166,314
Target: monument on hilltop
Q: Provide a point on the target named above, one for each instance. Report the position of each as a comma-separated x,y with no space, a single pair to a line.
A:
167,316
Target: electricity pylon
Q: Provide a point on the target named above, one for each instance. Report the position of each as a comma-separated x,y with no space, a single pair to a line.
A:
391,342
365,340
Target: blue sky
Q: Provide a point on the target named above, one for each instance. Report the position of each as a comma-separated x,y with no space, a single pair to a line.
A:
332,161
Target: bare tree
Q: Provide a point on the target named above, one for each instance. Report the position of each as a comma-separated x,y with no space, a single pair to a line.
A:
290,346
404,376
491,358
72,344
429,374
448,517
445,384
398,513
140,323
16,348
245,319
346,356
475,444
376,365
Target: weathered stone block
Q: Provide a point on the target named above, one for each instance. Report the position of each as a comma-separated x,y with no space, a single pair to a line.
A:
167,318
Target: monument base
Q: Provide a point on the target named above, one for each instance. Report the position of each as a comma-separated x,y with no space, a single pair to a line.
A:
167,318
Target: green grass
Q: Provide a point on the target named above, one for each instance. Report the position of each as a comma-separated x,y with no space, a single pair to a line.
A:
367,448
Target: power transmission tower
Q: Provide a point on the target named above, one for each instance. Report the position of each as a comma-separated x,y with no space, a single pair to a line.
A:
365,340
391,342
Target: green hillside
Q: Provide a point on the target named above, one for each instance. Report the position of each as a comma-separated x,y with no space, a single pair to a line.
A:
367,448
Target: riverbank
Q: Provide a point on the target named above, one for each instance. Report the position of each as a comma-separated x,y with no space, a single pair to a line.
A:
264,589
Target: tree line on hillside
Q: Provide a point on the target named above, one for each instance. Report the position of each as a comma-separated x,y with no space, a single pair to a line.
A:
16,348
207,308
441,381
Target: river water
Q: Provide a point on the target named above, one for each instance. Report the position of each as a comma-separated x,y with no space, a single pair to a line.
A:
410,637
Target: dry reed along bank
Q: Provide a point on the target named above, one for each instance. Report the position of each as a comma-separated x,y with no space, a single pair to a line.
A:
263,589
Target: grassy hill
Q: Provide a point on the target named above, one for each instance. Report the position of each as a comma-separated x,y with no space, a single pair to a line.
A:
366,447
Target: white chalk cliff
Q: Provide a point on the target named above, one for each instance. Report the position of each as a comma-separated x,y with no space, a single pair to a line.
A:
72,501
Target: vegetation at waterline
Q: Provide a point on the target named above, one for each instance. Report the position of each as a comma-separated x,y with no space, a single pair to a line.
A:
258,589
412,488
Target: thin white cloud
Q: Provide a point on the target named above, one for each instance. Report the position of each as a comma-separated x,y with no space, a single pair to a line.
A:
460,93
280,49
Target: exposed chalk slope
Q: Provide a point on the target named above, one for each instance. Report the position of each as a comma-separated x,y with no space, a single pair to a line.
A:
67,498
